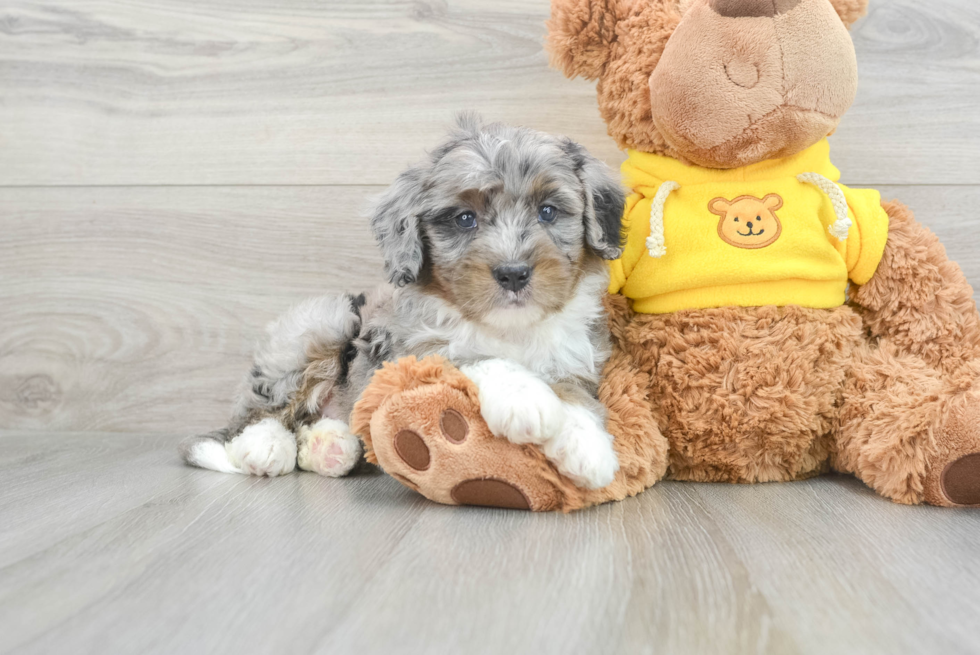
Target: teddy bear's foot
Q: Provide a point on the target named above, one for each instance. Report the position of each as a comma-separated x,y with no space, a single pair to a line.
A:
955,479
961,480
433,439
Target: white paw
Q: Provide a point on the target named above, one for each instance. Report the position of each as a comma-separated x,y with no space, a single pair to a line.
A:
515,403
327,447
263,448
583,451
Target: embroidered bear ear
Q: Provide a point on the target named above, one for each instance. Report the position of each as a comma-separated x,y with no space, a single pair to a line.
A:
772,202
719,206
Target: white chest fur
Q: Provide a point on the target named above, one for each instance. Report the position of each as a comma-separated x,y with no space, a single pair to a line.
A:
559,346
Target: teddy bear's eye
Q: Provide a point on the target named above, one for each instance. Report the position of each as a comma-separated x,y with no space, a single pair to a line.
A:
736,219
758,218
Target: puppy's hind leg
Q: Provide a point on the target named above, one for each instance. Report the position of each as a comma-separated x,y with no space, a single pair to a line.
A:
296,371
327,447
265,447
207,451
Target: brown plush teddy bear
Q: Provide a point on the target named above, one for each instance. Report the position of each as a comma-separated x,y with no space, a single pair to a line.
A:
741,353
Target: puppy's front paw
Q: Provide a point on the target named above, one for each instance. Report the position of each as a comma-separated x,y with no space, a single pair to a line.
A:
327,447
583,451
515,403
263,448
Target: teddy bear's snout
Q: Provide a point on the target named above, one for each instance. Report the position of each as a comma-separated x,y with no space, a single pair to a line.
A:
741,81
750,8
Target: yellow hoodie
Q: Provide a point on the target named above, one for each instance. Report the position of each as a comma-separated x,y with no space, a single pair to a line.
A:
779,232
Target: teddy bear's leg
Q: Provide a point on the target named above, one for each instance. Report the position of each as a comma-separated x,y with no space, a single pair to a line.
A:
421,422
906,432
910,423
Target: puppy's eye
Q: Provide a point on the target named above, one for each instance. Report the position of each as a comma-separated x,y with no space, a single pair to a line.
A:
466,220
547,214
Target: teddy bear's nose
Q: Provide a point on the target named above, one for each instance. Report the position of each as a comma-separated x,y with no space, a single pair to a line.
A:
748,8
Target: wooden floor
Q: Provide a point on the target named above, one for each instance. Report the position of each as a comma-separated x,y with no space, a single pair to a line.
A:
109,545
175,173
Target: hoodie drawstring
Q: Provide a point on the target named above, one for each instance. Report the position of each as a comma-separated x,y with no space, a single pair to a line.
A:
842,225
655,242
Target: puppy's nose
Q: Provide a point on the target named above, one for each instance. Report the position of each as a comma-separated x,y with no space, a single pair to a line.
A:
512,277
749,8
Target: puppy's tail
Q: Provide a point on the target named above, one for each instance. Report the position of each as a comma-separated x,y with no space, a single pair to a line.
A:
207,451
300,364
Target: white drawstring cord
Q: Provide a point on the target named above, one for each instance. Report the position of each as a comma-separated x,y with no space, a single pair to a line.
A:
842,225
655,242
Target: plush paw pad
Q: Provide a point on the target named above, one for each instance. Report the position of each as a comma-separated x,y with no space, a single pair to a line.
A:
327,447
433,440
961,480
263,448
454,427
412,450
490,493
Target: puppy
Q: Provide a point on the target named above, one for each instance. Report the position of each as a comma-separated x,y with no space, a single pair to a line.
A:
493,249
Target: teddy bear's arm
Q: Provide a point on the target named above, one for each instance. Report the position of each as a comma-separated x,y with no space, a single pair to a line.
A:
918,299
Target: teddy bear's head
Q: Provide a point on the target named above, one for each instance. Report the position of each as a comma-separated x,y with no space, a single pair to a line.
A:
717,83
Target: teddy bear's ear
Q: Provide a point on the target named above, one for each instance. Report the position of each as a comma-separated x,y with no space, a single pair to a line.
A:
850,10
581,34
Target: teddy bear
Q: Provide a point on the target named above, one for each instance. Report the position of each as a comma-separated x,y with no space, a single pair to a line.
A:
769,323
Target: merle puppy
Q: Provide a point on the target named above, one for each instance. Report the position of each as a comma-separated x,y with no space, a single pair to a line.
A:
493,247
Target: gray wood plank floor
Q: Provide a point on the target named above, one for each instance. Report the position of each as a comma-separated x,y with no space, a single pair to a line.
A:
109,545
175,173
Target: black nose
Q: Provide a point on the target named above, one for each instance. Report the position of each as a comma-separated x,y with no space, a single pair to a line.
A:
749,225
512,277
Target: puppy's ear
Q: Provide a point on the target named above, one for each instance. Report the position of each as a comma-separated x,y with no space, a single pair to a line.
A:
604,202
395,224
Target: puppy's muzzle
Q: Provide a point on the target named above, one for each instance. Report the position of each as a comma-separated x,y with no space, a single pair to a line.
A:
512,277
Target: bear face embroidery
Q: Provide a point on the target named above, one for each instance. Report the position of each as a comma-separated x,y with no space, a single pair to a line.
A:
747,222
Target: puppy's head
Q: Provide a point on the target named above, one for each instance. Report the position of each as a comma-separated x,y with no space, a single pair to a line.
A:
500,221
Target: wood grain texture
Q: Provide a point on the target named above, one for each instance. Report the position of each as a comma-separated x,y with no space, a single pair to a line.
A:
137,309
156,557
350,91
113,299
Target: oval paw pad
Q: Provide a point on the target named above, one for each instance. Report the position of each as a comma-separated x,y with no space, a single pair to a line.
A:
490,493
961,480
454,426
412,449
